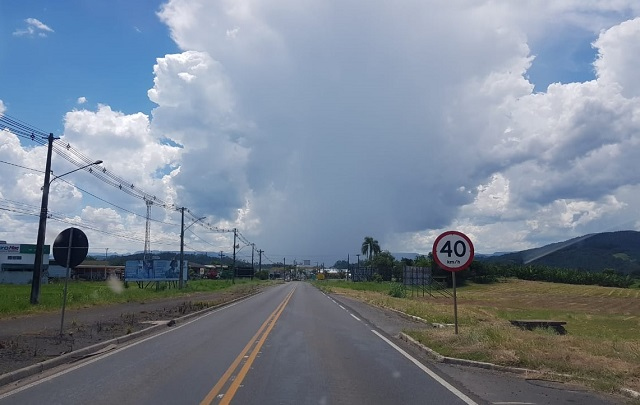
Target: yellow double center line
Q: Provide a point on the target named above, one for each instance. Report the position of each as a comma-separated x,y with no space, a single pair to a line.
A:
254,345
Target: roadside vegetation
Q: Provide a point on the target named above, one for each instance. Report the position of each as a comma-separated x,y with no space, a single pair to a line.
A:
601,347
81,294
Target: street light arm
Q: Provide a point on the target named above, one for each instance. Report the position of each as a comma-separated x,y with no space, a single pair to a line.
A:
97,162
197,220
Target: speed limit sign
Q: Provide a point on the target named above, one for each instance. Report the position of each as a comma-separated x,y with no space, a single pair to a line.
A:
453,251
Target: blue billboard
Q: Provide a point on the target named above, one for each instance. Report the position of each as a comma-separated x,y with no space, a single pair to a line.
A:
154,270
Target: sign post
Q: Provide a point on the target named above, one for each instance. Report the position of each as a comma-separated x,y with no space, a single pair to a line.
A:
453,251
69,249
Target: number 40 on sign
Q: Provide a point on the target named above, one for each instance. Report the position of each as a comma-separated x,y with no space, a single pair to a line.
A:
453,251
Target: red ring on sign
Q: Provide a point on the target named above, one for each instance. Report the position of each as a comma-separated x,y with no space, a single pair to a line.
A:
444,266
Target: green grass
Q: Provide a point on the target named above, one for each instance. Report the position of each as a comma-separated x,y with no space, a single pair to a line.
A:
14,299
384,286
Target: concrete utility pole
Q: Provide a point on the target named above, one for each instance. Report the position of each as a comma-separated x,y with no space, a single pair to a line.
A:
182,229
235,235
42,227
181,277
260,259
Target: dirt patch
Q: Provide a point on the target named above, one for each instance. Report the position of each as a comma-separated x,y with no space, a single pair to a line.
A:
28,340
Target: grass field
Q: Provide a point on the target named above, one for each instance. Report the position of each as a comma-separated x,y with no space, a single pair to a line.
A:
601,347
14,299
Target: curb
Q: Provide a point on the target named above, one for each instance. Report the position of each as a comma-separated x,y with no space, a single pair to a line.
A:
37,368
490,366
463,362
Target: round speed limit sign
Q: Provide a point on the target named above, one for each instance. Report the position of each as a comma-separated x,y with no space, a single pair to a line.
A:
453,251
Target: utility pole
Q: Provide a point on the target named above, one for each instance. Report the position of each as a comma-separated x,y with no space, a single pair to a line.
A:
181,277
42,227
221,258
106,254
253,248
284,267
235,235
260,259
358,260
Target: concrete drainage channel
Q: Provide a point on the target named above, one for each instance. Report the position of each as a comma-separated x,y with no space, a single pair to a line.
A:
103,347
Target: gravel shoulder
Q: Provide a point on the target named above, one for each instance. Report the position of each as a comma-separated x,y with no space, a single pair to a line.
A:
30,339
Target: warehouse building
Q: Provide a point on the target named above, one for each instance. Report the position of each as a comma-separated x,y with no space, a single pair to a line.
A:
16,263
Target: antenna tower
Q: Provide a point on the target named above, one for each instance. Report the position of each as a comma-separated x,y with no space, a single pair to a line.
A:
147,231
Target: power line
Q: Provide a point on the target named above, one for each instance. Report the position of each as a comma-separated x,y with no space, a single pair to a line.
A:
77,158
118,207
22,167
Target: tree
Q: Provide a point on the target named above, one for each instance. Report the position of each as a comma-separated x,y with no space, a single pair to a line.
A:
370,247
341,264
384,263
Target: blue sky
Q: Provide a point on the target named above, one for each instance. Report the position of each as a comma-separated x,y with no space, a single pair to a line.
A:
310,127
104,51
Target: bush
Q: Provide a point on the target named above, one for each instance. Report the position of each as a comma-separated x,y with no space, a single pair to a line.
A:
398,290
262,274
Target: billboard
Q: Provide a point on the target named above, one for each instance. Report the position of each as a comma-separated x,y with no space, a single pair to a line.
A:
154,270
416,275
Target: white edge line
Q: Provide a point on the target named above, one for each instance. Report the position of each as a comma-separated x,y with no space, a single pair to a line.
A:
341,307
355,317
107,354
431,374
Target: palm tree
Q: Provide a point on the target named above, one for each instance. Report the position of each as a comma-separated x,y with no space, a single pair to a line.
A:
370,247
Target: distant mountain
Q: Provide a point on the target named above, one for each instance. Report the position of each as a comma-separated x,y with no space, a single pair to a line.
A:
619,251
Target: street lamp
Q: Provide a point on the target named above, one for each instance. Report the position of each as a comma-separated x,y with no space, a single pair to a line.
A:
182,229
42,226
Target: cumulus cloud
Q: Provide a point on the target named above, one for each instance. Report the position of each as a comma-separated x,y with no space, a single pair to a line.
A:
309,127
619,57
33,28
81,100
399,121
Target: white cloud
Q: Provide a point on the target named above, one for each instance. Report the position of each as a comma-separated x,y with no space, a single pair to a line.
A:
309,126
619,57
379,124
34,28
81,100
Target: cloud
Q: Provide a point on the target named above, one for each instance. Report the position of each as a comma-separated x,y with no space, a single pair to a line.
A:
309,127
619,57
34,28
391,124
81,100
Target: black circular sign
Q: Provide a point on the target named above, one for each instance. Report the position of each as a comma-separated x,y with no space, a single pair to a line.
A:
70,239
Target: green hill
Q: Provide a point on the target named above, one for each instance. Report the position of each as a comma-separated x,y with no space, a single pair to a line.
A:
596,252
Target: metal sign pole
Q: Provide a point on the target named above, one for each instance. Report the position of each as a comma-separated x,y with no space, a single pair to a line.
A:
455,303
66,281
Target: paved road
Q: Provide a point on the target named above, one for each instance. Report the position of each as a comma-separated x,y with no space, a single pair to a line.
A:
288,345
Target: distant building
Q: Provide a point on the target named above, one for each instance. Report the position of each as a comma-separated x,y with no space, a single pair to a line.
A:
16,263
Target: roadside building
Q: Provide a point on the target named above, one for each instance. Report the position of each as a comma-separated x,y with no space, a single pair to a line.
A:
16,263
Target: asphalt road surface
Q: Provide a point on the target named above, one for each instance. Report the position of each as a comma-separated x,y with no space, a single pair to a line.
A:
291,344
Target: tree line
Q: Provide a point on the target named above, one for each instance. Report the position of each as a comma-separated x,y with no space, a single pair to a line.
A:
387,268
